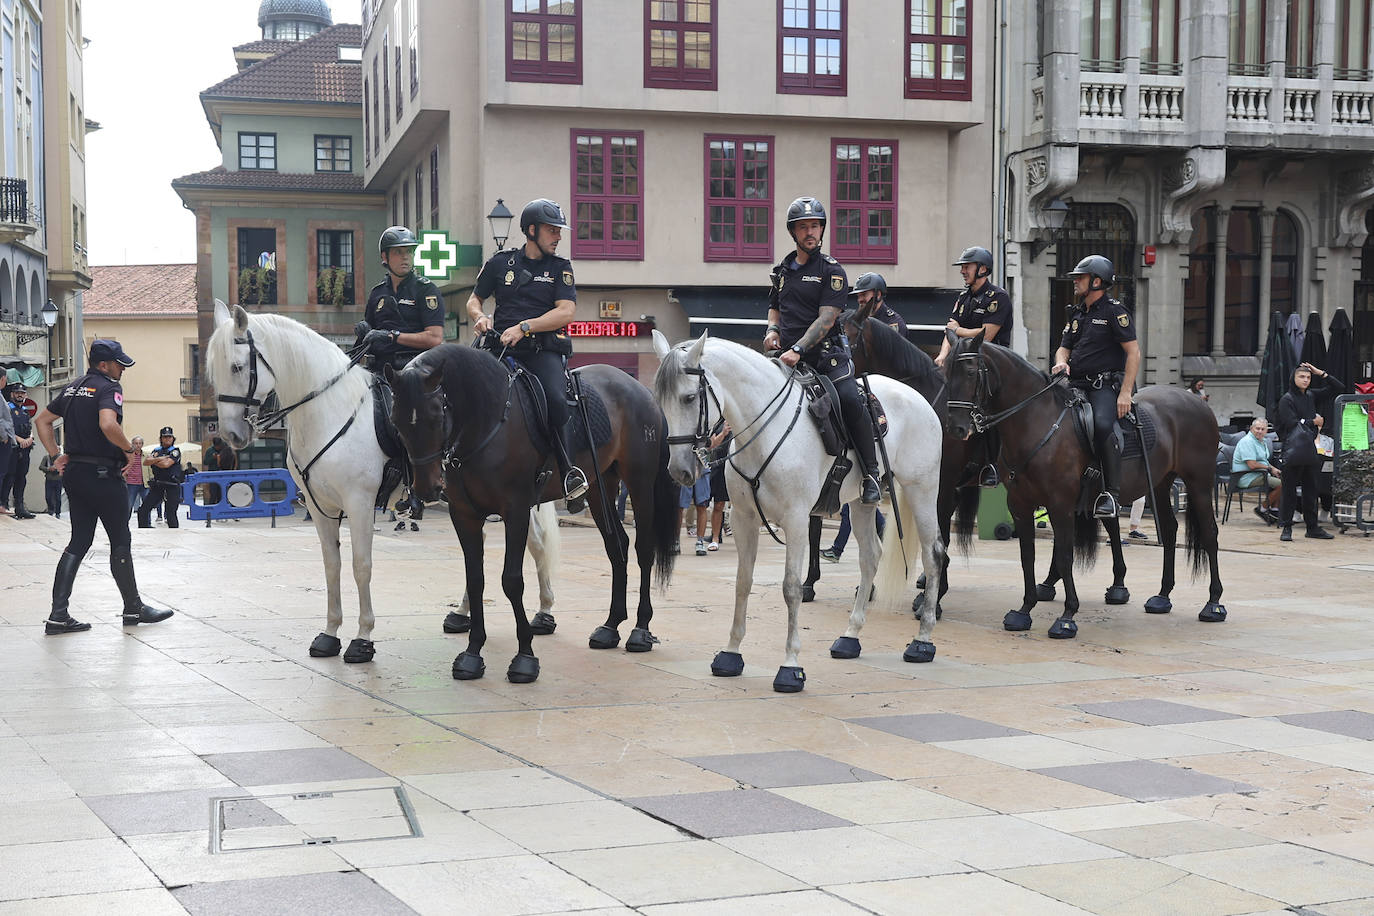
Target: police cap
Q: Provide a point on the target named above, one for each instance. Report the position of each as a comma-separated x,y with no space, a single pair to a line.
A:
103,349
166,431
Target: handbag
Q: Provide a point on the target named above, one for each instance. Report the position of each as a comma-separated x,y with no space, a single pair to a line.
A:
1300,448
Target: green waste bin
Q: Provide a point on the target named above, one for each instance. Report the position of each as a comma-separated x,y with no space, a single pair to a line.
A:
994,518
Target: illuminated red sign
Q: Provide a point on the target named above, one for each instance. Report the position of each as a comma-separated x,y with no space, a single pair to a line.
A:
604,329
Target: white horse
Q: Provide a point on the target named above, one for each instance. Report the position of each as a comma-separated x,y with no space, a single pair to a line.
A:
700,381
334,454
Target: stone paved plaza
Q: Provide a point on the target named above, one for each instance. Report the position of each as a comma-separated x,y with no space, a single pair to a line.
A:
1155,765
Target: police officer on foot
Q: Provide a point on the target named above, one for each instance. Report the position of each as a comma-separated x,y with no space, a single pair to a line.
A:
871,287
1101,355
808,294
982,306
22,417
96,451
164,489
405,314
535,299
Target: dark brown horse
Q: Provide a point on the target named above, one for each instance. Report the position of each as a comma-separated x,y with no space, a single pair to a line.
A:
1043,462
470,432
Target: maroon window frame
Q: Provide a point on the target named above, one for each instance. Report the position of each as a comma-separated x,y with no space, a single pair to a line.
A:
739,197
863,200
1352,56
529,26
939,49
367,126
799,45
386,88
608,194
670,26
434,188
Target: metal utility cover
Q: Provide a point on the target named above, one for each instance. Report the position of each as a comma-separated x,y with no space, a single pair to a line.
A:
325,817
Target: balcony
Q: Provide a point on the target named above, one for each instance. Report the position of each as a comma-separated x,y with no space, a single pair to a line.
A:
190,387
16,220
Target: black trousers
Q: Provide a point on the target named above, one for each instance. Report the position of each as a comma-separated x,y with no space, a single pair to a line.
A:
52,489
1294,476
1104,414
18,476
548,368
167,495
96,493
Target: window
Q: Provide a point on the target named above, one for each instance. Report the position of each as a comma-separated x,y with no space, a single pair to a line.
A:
405,202
396,55
333,154
1240,312
257,266
386,86
608,196
258,151
434,188
739,198
544,41
1352,40
811,52
367,125
1100,36
937,49
1302,39
1247,37
414,47
334,258
679,44
863,194
419,198
1159,28
376,117
395,208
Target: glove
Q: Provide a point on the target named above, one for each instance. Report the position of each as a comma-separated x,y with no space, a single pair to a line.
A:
374,337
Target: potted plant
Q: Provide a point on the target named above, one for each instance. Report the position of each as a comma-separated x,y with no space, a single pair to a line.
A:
332,286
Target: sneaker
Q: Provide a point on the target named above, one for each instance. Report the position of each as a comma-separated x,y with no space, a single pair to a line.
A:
701,547
1319,533
1138,535
400,526
691,531
1286,534
728,530
713,546
831,554
413,526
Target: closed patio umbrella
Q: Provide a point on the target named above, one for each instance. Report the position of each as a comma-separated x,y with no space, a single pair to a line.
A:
1314,342
1276,372
1340,353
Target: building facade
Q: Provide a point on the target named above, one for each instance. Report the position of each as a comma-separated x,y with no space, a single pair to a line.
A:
675,134
1220,152
283,223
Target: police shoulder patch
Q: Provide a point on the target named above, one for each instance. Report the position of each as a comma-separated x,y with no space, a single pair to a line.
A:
1124,320
992,306
432,302
837,282
119,398
568,278
1075,326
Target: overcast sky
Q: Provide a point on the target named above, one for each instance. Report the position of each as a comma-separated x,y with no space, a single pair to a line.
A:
144,71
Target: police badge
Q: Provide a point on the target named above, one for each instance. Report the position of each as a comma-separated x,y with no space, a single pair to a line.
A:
1075,326
1124,320
432,302
510,277
837,283
567,278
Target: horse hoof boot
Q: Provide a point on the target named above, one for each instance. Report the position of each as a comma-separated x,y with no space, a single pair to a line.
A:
360,650
1063,628
604,637
1016,621
727,664
1212,613
808,593
1044,592
921,581
543,624
1118,594
457,623
325,646
468,667
919,652
790,679
641,640
1158,605
524,669
845,647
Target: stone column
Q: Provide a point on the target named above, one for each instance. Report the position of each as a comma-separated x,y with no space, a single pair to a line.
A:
1266,271
1223,218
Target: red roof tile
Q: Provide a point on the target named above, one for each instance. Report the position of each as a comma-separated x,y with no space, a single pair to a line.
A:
306,71
141,291
256,180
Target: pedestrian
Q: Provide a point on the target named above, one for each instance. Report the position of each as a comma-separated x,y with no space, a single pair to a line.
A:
1252,456
1299,425
52,486
720,493
133,477
218,457
8,443
1137,513
698,495
836,549
1198,386
92,408
22,410
164,488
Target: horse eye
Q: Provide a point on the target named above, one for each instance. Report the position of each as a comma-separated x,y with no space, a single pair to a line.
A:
236,368
688,398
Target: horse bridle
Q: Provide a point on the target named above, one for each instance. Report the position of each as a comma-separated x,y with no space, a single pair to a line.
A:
700,438
982,391
448,444
250,416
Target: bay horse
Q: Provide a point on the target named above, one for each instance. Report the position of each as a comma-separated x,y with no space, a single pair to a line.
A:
1045,463
702,381
334,455
471,432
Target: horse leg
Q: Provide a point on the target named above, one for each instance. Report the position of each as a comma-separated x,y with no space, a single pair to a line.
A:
1020,618
813,567
729,662
945,514
524,667
327,644
1166,523
543,547
460,621
617,544
1045,590
469,665
790,677
360,534
863,523
1118,593
646,524
1202,524
1064,627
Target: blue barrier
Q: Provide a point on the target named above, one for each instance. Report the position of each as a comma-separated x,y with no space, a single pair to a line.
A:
240,495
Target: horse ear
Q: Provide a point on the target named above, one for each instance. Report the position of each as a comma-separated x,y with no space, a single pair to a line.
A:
695,351
222,315
431,382
951,336
661,345
866,310
240,319
978,339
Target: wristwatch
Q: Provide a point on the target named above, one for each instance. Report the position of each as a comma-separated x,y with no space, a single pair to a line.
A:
395,335
796,348
525,328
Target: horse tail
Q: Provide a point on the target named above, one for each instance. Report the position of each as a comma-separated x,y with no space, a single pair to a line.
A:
966,516
897,558
665,513
1084,540
1196,519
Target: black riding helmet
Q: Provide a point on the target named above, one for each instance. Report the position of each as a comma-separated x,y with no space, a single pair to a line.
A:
543,211
396,237
806,208
1094,265
871,281
977,255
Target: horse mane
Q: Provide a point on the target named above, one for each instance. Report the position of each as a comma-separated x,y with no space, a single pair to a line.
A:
906,360
1060,392
477,374
671,365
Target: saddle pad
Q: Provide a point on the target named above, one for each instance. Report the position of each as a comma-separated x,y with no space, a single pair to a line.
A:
387,439
1131,447
532,395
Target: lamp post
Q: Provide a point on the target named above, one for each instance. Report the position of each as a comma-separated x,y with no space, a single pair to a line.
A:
499,218
1052,216
49,313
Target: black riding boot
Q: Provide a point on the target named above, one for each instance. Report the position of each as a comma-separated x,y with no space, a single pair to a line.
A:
59,621
19,511
135,611
574,480
1108,505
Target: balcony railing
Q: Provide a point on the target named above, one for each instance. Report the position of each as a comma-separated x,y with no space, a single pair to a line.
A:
1247,100
1161,101
190,387
1300,102
14,200
1103,96
1352,106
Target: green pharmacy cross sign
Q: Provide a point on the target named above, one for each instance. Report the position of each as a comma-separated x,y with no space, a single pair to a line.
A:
436,256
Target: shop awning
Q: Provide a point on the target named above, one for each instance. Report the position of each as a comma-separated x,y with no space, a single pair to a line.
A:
741,312
30,376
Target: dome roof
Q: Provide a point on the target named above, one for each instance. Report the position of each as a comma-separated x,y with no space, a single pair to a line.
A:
297,10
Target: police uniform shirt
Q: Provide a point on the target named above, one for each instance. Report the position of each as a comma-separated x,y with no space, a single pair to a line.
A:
414,305
524,287
888,316
167,473
79,405
23,426
800,291
990,305
1094,337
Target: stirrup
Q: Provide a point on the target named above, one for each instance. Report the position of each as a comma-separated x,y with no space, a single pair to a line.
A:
1107,506
875,494
574,483
988,477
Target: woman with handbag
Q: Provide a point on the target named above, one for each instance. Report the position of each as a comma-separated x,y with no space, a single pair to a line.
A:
1299,424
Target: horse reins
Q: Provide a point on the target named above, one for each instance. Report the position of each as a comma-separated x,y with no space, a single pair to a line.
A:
983,422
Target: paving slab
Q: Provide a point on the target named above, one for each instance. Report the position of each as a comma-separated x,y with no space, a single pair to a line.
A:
1145,780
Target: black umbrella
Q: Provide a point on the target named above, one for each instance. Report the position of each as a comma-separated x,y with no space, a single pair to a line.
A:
1276,372
1314,342
1340,355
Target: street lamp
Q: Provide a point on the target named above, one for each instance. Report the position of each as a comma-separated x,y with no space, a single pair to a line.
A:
500,218
1052,216
49,313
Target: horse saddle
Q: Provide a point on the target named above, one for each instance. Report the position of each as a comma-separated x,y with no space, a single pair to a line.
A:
1137,425
576,434
397,467
824,408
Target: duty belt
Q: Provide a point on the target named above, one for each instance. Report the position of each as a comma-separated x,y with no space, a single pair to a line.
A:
1101,379
96,460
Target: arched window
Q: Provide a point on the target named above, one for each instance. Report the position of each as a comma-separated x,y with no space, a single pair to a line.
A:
1241,311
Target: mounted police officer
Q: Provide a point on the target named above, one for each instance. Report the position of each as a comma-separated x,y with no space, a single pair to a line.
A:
1099,351
805,300
97,450
871,287
535,299
164,490
982,306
